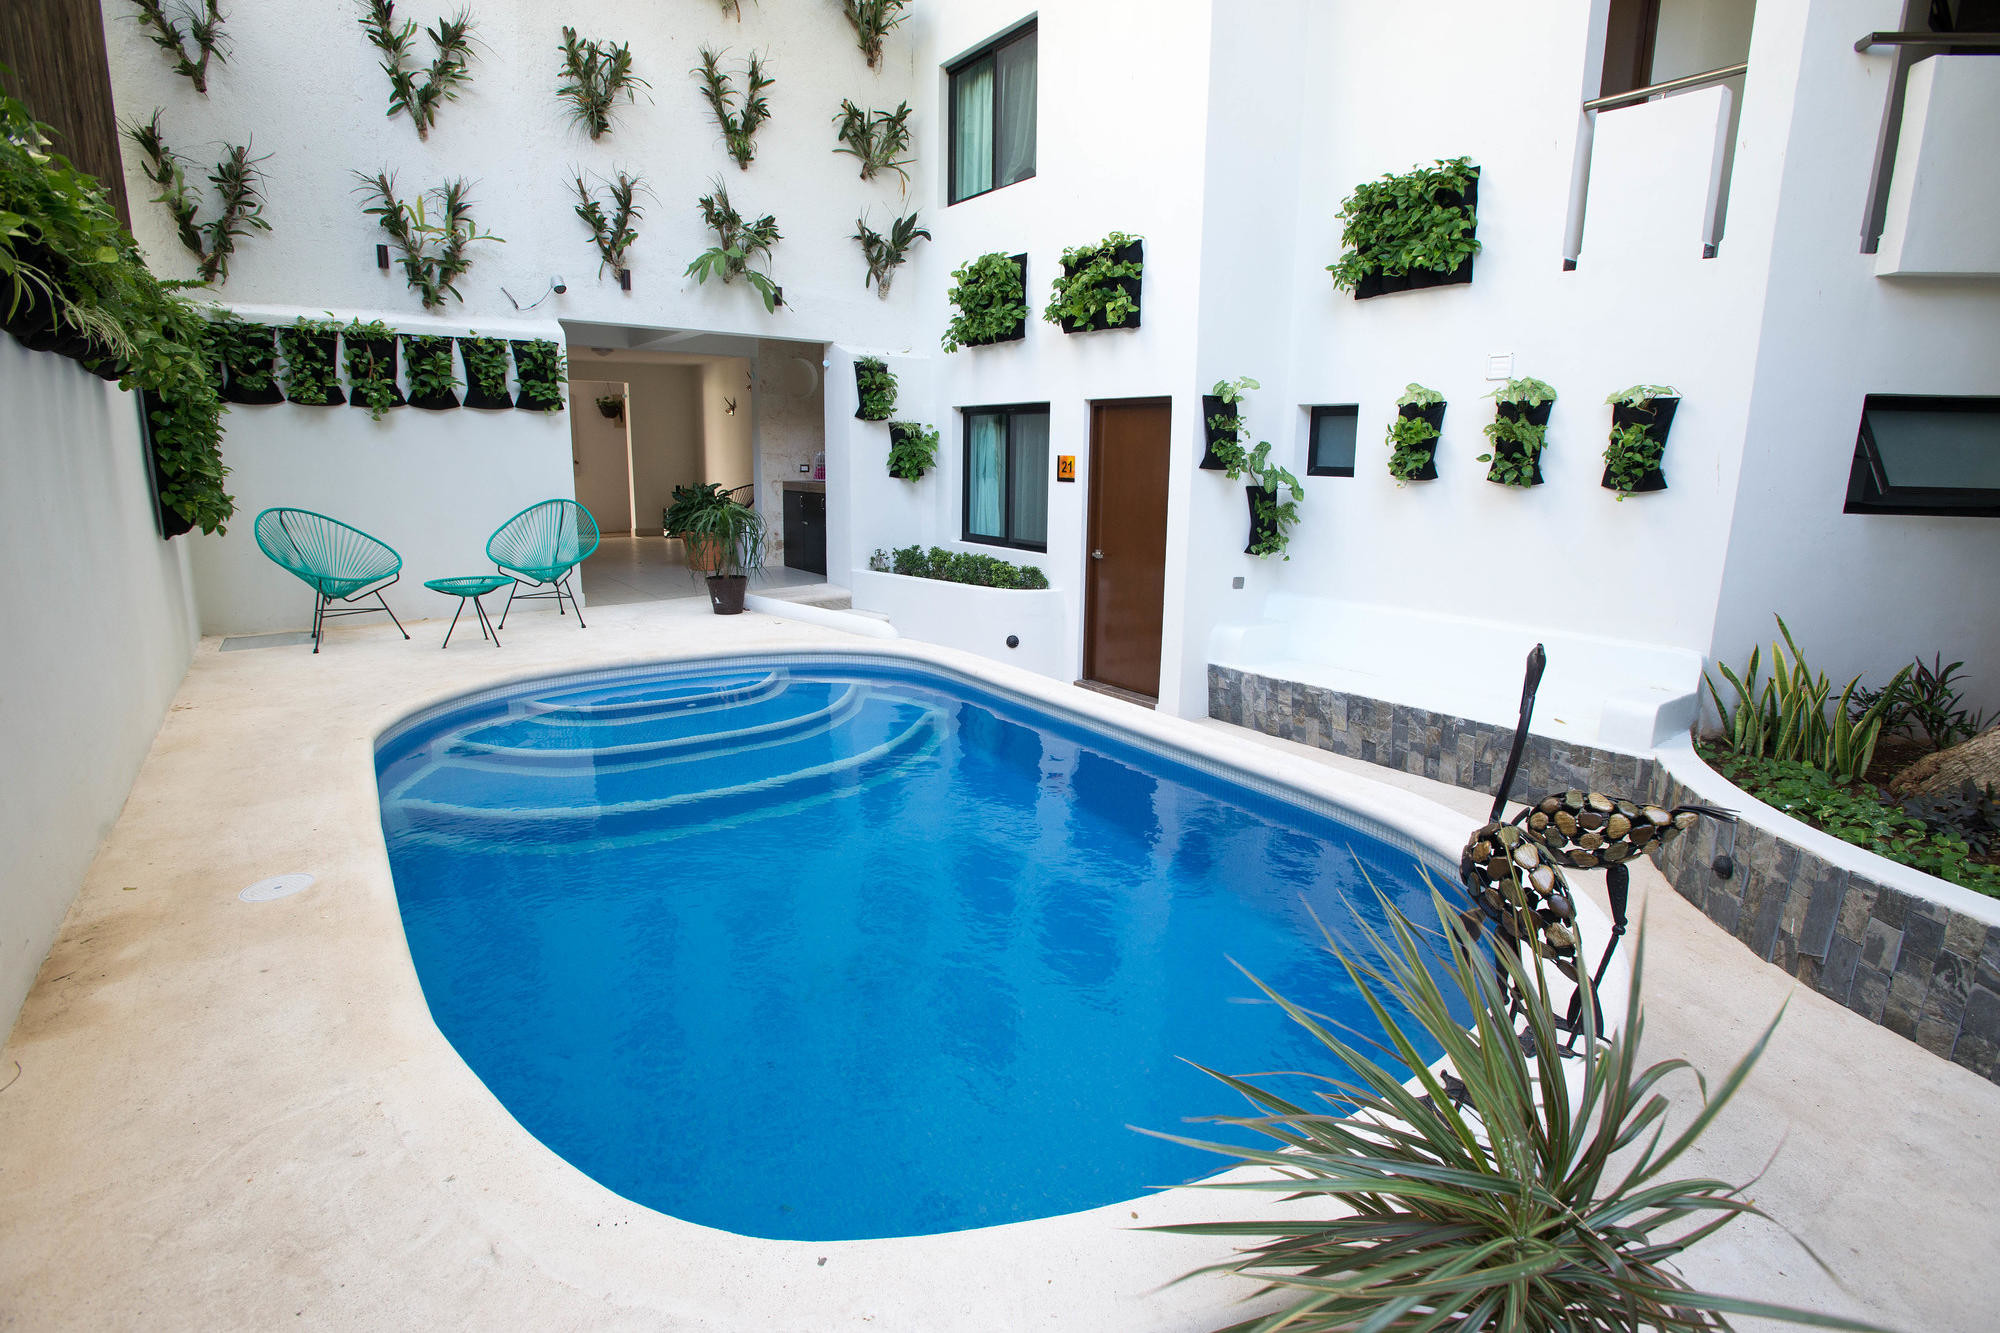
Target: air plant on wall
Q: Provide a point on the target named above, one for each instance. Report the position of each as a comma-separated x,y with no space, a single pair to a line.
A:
878,138
738,126
885,253
201,27
236,179
612,230
448,72
741,242
872,20
596,73
432,242
733,9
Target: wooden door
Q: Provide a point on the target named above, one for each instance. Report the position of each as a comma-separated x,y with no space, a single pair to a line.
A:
1125,563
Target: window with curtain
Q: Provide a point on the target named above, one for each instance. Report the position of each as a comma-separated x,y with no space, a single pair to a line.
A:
993,116
1007,476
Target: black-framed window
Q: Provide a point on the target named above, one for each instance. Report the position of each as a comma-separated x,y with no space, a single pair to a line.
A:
1917,455
993,115
1330,444
1007,475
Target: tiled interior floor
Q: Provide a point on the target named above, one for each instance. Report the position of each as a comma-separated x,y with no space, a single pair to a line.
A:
628,569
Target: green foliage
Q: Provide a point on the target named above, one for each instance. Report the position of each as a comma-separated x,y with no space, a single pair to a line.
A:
612,405
1089,292
736,532
1409,440
371,368
1276,514
913,450
1853,813
1416,395
202,27
978,570
1231,432
1630,455
245,350
310,372
1517,442
69,269
538,365
1543,1202
1786,717
990,299
612,230
690,501
872,19
432,243
449,71
1396,225
1640,396
885,254
485,364
741,242
738,126
1972,813
1925,701
876,384
1532,393
595,74
880,139
427,361
237,181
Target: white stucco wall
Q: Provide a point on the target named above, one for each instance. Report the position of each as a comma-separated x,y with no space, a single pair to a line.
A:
100,631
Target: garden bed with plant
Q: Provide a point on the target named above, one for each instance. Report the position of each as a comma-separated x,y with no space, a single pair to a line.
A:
968,567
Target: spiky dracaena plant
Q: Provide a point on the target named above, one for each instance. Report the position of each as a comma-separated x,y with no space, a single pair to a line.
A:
738,125
202,27
449,71
431,241
1538,1200
740,242
872,20
612,230
885,253
595,74
237,181
880,139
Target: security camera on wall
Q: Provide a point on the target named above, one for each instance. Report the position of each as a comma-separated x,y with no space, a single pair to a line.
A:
557,285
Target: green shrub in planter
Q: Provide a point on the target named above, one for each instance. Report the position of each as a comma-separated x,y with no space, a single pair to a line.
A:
1413,435
875,385
485,371
1099,285
1413,230
1640,419
369,351
990,296
538,365
968,567
1519,432
312,375
247,354
912,450
433,383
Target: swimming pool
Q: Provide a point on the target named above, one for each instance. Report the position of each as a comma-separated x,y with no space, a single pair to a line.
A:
818,949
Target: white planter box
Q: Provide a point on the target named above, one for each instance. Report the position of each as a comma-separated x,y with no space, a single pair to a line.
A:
977,620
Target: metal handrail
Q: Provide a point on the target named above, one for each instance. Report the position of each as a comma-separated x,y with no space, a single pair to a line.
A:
1927,39
1653,90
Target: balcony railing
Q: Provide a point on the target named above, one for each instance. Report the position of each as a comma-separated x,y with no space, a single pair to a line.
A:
1652,90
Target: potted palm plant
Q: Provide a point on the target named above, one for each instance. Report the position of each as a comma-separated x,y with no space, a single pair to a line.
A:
735,534
679,520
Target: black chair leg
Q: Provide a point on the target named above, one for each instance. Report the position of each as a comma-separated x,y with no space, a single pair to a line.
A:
454,624
392,615
484,623
319,617
564,583
510,602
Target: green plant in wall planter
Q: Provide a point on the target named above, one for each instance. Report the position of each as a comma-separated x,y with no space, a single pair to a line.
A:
1409,231
875,385
738,124
913,450
1271,515
740,243
432,240
1099,287
1413,435
312,351
433,383
611,406
539,367
872,20
370,355
611,229
886,253
1223,428
449,71
1641,416
238,185
879,139
485,371
246,354
1519,432
595,75
201,26
989,295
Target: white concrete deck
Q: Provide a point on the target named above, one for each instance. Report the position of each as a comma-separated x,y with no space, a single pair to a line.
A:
240,1115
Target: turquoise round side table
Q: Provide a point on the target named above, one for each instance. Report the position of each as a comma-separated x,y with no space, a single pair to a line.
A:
470,588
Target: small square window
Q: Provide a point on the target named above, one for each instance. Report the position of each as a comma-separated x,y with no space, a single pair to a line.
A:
993,116
1330,452
1926,456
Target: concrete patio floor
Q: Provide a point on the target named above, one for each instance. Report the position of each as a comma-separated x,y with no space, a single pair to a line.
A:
240,1115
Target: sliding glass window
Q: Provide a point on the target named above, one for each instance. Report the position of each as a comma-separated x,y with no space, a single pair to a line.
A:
993,116
1007,476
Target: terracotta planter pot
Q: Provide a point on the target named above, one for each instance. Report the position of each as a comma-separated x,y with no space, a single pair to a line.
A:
704,554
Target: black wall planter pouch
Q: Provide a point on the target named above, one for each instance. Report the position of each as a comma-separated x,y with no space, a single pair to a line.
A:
1134,253
534,395
1535,415
1434,414
1381,284
443,400
325,355
382,352
262,363
172,524
1657,423
1020,329
474,395
1263,526
861,395
1212,407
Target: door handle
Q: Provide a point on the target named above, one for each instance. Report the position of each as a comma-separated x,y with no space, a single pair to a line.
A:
1097,555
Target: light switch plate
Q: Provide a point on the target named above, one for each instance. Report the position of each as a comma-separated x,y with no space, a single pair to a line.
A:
805,467
1236,582
1500,366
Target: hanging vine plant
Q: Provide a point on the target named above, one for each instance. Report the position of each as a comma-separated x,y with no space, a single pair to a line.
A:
610,221
879,140
538,365
989,295
1641,416
872,20
200,28
441,81
485,371
738,124
1099,285
875,386
595,75
238,185
433,383
247,355
370,354
1413,435
431,240
884,254
311,348
913,450
1223,429
1519,432
740,242
1409,231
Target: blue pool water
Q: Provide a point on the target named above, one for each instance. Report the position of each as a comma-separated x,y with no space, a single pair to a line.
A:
822,951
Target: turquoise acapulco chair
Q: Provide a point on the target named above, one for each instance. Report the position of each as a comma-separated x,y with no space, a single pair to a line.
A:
539,547
339,562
